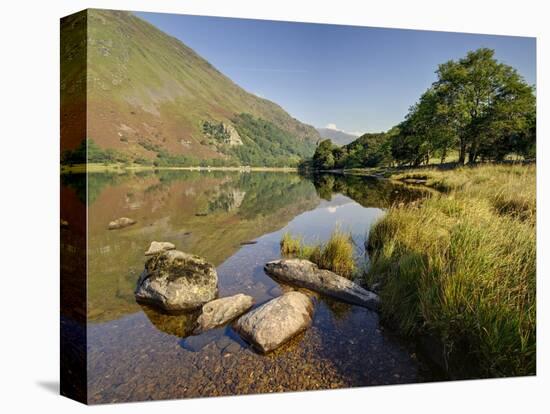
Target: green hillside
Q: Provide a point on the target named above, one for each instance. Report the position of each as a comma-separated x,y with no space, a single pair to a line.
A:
151,98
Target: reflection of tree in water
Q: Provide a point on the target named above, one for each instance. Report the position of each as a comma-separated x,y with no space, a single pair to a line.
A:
367,191
324,185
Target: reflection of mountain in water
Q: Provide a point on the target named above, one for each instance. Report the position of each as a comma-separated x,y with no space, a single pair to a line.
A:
226,199
240,207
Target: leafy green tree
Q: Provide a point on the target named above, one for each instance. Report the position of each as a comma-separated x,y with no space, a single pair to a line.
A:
478,106
324,158
483,100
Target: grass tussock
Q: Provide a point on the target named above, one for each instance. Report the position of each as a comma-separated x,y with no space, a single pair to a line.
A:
336,254
290,246
462,267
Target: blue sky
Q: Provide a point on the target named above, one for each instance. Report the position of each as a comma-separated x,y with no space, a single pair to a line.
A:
356,79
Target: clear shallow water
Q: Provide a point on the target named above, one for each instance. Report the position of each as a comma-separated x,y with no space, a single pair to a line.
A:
136,353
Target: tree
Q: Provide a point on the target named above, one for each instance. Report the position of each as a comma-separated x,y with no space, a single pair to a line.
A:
323,158
478,106
483,100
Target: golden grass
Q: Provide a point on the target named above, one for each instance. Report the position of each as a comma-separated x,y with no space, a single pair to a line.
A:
290,246
462,266
335,255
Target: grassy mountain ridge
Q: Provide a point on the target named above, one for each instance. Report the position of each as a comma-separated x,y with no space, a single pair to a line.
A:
148,93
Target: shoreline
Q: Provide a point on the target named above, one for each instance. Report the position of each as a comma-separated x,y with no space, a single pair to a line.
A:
119,168
375,172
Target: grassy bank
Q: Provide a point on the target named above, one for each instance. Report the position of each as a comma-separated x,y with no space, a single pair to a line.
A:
460,267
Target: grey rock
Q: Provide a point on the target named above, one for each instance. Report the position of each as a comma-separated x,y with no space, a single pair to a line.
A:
177,281
120,223
159,247
306,274
234,137
275,322
220,311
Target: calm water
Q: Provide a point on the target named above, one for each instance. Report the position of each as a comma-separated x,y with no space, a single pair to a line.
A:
136,353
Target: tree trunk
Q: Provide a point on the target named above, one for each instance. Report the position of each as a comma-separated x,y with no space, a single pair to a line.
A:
472,156
462,152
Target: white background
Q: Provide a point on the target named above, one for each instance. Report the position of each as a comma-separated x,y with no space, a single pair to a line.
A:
29,234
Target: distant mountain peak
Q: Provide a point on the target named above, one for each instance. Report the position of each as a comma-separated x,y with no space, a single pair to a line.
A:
337,136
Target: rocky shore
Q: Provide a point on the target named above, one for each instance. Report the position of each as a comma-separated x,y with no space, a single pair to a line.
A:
178,282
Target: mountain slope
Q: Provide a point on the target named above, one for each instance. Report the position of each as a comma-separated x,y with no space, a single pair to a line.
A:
336,136
149,94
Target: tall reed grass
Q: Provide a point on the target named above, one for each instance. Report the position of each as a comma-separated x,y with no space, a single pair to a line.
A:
461,266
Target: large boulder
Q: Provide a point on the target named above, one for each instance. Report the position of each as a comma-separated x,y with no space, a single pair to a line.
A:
177,281
220,311
306,274
120,223
275,322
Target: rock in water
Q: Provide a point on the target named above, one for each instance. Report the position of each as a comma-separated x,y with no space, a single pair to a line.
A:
121,223
276,321
159,247
220,311
177,281
304,273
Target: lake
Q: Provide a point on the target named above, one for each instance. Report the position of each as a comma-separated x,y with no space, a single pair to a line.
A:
137,353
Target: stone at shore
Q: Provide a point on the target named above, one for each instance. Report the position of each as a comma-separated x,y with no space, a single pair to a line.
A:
220,311
306,274
277,321
120,223
159,247
176,281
